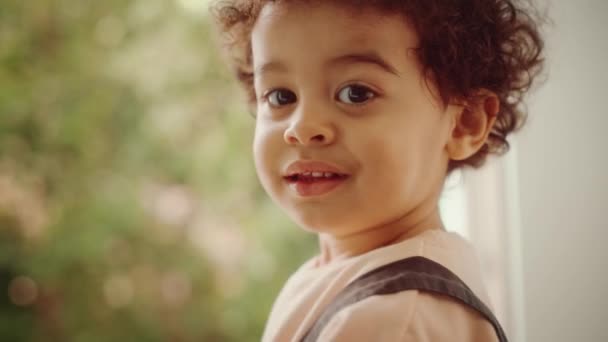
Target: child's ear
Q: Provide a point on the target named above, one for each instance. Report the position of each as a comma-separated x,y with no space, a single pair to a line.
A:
472,125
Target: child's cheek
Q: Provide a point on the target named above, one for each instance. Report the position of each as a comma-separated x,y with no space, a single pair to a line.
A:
267,154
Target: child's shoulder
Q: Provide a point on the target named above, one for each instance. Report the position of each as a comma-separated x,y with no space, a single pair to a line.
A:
408,316
310,289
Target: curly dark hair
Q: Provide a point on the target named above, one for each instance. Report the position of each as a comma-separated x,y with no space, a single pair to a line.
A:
465,46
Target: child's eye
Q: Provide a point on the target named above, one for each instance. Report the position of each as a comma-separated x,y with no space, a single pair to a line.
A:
355,94
280,97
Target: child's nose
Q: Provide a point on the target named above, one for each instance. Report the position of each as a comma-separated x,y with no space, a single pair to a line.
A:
310,130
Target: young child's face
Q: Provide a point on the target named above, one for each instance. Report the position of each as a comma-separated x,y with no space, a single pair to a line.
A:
346,90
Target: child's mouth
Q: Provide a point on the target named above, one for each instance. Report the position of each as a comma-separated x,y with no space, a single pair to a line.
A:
315,184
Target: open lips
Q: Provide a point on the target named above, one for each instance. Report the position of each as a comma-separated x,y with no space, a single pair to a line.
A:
312,176
313,171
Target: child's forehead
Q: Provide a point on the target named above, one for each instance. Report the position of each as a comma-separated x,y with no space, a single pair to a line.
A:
355,19
330,23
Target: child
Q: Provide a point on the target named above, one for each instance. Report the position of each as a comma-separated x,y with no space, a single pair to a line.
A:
362,109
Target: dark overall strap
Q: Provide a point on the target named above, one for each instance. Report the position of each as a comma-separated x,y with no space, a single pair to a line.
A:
414,273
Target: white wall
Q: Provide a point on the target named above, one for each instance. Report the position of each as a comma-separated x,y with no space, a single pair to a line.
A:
562,170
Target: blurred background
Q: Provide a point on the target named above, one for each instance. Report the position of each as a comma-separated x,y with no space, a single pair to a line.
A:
129,206
130,209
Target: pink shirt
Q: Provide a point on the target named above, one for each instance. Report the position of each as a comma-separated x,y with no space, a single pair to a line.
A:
406,316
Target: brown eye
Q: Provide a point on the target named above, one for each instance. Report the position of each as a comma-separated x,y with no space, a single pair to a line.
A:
355,94
281,97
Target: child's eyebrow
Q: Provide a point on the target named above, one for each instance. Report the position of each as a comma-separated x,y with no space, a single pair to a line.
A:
370,57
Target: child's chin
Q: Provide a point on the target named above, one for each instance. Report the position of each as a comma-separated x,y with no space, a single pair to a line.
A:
320,224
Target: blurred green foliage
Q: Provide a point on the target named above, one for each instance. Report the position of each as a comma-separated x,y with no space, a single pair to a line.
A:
129,205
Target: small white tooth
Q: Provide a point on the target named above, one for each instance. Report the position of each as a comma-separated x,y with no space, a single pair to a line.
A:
317,174
328,174
306,174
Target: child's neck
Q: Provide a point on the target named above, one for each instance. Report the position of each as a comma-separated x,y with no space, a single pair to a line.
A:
334,248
